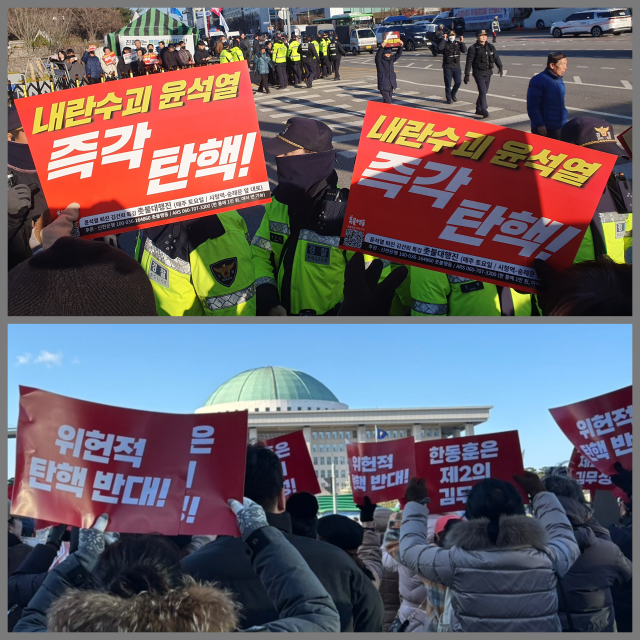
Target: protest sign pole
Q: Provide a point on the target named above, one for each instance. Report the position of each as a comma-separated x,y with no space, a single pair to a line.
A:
333,488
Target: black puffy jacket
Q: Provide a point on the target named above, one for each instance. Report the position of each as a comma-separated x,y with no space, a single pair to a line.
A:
384,67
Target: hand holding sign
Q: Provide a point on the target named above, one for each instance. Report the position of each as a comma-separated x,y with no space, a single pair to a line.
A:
416,491
530,482
251,516
91,543
367,510
622,479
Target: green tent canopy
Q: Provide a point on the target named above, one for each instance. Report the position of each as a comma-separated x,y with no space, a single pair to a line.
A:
344,503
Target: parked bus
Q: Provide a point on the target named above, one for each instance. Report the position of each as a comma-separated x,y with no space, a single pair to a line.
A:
475,19
544,18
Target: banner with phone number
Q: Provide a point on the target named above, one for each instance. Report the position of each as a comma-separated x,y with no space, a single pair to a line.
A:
144,151
469,198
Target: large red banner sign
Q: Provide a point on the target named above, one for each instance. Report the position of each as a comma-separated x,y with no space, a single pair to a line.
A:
143,151
587,475
381,470
452,466
600,428
469,198
297,468
151,472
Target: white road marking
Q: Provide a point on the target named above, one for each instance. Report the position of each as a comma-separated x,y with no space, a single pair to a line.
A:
576,80
429,67
609,68
626,84
330,90
292,104
521,117
504,72
579,67
411,65
517,64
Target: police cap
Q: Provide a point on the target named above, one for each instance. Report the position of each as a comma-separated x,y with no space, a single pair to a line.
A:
593,133
300,133
482,32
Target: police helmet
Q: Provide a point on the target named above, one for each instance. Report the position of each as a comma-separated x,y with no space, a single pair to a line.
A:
225,45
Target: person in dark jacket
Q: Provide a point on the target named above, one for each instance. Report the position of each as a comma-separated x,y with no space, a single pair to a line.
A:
438,37
92,66
309,61
386,75
451,51
480,60
74,67
225,562
302,508
585,602
202,56
171,58
263,65
336,51
141,587
545,98
124,68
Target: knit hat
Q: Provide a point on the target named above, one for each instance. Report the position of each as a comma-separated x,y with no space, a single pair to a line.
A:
78,277
302,505
341,532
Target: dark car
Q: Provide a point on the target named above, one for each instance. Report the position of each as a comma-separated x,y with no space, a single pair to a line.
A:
455,24
411,36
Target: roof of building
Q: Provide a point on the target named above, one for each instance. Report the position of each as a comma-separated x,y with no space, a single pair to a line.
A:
270,383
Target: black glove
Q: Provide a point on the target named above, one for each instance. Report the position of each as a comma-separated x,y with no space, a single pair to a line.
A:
622,479
363,295
466,79
501,73
416,491
531,483
74,539
19,202
55,535
366,510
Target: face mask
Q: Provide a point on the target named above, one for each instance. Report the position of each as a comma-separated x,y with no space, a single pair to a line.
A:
297,174
452,38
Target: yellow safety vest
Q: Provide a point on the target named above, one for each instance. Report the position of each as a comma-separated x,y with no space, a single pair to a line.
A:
237,53
293,53
279,53
226,56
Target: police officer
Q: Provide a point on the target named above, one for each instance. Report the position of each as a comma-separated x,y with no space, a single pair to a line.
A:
293,57
236,51
451,51
495,28
610,230
225,54
480,58
438,37
316,41
200,267
336,51
322,51
327,42
279,56
310,61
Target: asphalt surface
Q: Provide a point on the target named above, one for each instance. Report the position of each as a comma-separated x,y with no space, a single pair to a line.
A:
598,83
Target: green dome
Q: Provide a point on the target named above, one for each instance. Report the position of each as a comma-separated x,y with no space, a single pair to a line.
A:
270,383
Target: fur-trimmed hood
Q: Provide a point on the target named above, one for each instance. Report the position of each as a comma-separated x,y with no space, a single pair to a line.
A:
515,531
194,607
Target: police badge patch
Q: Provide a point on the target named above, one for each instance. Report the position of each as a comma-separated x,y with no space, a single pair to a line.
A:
225,271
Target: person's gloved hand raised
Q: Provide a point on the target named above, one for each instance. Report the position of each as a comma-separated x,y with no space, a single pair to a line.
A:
531,483
416,491
19,201
622,479
363,295
46,232
55,535
250,516
91,543
366,510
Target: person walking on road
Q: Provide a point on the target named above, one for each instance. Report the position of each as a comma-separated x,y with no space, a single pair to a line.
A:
336,51
481,58
262,64
495,28
451,51
387,82
545,98
310,61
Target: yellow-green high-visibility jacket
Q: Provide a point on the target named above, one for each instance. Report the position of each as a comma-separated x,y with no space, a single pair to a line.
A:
305,267
441,294
200,267
317,44
324,46
292,52
237,53
226,56
279,53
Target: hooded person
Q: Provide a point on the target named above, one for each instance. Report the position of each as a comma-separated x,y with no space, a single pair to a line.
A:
389,587
303,507
586,603
485,553
75,69
93,68
136,584
299,267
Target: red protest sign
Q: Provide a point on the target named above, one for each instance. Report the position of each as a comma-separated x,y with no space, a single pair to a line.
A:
147,150
150,58
469,198
625,140
151,472
109,58
452,466
92,47
391,39
586,474
600,428
297,468
380,470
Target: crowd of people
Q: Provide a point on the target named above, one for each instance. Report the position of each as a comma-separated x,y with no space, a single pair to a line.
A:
497,566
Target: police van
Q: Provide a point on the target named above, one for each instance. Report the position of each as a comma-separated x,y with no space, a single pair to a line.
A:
595,21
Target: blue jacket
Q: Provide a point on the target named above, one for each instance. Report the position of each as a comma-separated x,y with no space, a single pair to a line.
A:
384,67
545,101
263,62
92,65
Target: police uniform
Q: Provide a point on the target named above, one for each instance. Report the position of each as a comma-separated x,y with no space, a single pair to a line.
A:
310,62
293,56
226,55
495,29
438,36
200,267
279,57
336,51
480,59
236,51
451,65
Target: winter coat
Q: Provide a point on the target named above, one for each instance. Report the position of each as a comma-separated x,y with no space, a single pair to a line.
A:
449,49
184,56
92,65
199,57
336,50
171,59
389,589
225,562
474,57
384,68
123,68
370,553
108,69
76,69
622,600
27,579
263,63
506,586
587,584
545,101
300,599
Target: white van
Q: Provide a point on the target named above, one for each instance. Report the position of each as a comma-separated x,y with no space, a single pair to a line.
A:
361,39
595,21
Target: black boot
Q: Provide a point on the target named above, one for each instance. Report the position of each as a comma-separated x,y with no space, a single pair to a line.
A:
454,98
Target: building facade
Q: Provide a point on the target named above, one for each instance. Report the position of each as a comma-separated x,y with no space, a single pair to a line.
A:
280,401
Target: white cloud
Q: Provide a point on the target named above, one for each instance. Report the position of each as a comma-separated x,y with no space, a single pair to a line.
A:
75,361
48,358
23,359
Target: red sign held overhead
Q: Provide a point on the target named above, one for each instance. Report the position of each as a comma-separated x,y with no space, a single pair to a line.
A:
381,470
469,198
587,475
452,466
391,39
151,472
297,468
600,428
148,150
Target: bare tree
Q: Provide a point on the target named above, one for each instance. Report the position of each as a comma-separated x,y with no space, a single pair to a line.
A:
24,24
59,25
94,23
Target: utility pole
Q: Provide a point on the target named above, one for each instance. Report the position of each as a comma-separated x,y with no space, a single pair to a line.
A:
333,484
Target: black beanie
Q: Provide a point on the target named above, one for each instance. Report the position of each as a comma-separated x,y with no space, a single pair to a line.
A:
302,505
341,532
78,277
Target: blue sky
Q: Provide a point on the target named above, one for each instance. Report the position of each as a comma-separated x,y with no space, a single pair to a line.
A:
520,370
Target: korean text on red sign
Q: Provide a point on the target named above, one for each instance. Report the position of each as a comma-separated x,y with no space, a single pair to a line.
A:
586,474
600,428
297,469
380,470
151,472
144,151
452,466
469,198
